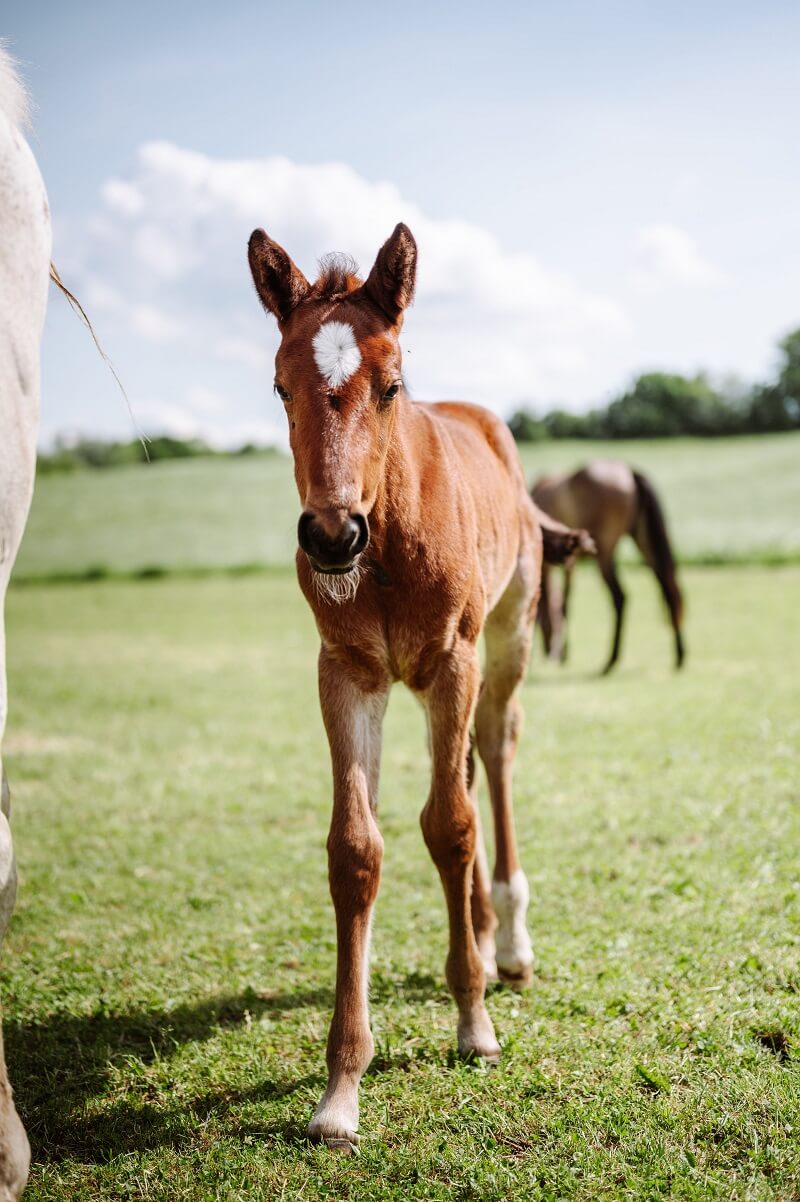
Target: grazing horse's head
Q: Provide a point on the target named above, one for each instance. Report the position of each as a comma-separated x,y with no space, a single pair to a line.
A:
337,372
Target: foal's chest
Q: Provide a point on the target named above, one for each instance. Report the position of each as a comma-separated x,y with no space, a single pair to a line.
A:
386,635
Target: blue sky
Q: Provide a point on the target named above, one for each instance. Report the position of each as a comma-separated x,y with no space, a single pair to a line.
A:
597,189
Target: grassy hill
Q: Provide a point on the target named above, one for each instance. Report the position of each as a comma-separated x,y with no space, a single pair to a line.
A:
727,499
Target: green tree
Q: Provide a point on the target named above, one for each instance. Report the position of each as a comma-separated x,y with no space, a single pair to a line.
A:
661,404
777,406
526,427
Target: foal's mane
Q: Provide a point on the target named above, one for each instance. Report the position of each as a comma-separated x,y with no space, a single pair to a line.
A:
338,275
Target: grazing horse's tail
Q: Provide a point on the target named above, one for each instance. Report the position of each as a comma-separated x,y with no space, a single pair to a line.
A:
650,534
560,542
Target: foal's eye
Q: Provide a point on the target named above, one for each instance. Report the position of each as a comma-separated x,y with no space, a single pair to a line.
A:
282,393
391,393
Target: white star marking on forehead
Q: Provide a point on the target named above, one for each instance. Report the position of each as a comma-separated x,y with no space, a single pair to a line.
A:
336,352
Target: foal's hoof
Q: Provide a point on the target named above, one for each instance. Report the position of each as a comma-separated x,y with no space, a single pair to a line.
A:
344,1142
488,1054
476,1041
346,1147
517,978
334,1126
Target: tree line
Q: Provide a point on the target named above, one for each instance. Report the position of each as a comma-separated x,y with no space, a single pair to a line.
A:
663,405
94,452
657,405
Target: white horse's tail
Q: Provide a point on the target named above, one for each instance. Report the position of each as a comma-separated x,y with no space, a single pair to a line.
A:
14,99
78,308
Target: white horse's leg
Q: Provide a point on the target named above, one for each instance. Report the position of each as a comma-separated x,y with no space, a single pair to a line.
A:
25,243
15,1153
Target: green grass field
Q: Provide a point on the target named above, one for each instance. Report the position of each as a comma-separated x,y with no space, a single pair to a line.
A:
731,499
168,975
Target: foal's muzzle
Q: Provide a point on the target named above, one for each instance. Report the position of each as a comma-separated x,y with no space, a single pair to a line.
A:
332,550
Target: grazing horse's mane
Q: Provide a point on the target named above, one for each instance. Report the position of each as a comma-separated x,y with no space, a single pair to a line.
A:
14,100
338,275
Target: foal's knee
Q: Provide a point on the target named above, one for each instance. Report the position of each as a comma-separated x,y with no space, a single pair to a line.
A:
354,866
450,832
498,725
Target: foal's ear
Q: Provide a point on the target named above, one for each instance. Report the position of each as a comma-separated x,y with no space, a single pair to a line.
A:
390,284
280,285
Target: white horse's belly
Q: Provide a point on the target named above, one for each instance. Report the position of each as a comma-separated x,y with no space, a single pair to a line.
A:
25,245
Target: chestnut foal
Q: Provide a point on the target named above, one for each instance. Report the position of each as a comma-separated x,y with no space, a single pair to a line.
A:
417,534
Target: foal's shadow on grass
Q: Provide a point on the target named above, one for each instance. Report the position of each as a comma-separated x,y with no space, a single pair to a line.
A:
62,1069
62,1063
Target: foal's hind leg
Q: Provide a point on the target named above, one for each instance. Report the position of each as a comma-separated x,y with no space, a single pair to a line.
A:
498,722
484,921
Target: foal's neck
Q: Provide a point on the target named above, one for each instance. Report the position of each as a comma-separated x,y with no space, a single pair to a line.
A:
398,504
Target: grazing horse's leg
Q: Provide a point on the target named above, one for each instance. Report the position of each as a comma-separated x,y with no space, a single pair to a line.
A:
498,721
564,645
450,828
665,575
353,720
548,618
609,573
553,604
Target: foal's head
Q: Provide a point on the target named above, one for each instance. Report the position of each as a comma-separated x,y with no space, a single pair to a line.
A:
337,372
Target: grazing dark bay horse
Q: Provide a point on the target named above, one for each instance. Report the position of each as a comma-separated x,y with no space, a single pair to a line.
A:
609,499
416,534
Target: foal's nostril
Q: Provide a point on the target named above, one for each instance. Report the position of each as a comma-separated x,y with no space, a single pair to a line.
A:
348,539
358,533
304,532
341,548
354,536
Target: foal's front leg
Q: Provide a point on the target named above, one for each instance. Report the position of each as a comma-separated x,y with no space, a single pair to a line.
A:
450,829
355,849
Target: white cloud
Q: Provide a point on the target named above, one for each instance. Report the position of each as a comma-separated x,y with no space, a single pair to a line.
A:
155,325
489,324
242,350
99,295
666,255
184,421
148,321
164,255
123,197
207,401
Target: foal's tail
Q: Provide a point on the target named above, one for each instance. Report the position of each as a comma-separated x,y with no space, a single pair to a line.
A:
560,543
650,534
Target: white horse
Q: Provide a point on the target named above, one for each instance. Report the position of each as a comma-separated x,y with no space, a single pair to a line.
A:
25,243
